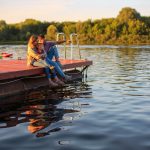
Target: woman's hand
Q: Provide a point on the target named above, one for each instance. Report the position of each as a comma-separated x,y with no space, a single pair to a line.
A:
42,56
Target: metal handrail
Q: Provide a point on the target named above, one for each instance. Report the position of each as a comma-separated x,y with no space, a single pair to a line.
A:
64,38
77,40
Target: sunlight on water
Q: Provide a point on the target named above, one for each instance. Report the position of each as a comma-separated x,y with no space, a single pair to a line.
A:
111,111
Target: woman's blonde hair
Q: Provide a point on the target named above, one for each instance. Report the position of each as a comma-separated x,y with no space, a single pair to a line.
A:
31,41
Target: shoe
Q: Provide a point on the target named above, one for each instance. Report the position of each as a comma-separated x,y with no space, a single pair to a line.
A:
52,84
59,82
68,78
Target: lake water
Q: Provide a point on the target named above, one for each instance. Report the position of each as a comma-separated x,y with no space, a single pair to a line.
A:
109,111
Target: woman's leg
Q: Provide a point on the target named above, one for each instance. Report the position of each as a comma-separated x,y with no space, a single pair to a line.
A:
40,63
55,78
53,73
48,71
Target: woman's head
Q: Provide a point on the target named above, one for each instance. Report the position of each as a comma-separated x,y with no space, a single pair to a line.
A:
32,41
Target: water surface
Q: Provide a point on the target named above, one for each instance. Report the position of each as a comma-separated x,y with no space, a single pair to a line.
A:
110,111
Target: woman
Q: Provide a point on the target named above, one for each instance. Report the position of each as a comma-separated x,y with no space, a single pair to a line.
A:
36,58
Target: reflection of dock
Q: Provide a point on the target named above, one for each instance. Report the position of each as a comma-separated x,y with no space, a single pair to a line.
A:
38,116
38,109
16,77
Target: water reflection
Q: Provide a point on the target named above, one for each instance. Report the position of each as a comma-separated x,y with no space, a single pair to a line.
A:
115,116
40,108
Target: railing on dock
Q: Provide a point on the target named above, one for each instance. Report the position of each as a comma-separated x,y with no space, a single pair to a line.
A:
73,38
63,36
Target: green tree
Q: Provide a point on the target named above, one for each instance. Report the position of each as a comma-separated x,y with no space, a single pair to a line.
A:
127,14
128,28
51,32
2,24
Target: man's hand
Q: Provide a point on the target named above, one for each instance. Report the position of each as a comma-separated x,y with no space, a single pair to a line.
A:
60,42
68,42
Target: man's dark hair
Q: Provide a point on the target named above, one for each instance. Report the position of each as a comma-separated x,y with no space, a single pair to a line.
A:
41,36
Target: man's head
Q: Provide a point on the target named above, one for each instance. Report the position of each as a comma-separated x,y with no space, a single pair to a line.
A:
41,39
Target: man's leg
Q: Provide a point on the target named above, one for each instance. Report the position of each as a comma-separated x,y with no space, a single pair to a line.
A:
53,52
56,67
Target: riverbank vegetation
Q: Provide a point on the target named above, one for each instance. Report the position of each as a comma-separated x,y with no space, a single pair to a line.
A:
129,27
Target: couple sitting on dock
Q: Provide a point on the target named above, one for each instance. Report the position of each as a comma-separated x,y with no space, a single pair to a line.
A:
41,53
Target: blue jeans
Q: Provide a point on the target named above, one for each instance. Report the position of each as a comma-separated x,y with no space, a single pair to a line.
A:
42,63
53,52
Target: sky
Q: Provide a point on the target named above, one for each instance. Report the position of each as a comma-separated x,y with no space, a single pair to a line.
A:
15,11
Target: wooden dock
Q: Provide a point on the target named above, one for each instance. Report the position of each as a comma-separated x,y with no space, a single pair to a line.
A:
11,70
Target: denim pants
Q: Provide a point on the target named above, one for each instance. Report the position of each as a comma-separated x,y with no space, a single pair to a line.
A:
53,52
42,63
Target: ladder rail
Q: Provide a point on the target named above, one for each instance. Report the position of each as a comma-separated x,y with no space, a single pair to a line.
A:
73,36
77,41
61,34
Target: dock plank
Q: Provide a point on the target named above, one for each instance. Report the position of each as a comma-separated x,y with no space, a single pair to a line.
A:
10,69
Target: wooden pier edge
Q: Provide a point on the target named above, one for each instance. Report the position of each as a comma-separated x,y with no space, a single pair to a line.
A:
17,78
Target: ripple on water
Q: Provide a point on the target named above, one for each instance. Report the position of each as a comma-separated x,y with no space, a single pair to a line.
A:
109,112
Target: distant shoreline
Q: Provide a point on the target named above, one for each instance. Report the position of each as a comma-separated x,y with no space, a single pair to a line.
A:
13,43
25,43
128,28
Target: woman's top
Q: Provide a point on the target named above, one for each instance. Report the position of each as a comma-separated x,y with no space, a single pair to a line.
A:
32,56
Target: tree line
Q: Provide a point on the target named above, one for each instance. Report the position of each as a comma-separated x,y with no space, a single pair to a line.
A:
129,27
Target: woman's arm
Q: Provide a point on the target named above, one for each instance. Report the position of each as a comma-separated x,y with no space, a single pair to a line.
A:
33,53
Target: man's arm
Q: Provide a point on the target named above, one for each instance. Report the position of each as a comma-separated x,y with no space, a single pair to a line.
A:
60,42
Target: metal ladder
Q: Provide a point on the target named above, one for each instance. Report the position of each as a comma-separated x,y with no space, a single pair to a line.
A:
73,37
64,38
